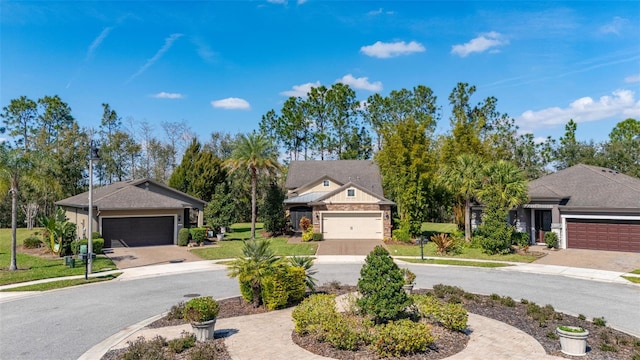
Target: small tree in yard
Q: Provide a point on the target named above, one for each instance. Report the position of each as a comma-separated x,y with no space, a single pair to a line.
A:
220,210
273,210
258,262
380,285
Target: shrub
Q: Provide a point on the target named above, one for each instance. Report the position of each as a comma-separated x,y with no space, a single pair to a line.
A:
408,276
183,237
32,242
305,223
307,235
520,239
96,235
346,333
451,316
176,311
246,290
443,242
287,285
98,244
184,342
402,235
313,312
207,351
441,290
317,236
508,301
495,231
398,338
306,263
551,239
380,285
201,309
198,234
599,321
141,349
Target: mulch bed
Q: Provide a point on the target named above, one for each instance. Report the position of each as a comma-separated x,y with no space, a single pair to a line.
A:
448,343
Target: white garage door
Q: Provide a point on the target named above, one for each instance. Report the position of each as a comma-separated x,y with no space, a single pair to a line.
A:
352,226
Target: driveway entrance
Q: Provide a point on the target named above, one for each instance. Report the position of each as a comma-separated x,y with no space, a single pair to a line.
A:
125,257
590,259
347,247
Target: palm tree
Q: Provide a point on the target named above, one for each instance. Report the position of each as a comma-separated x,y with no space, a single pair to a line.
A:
503,184
306,262
463,178
259,261
14,165
255,153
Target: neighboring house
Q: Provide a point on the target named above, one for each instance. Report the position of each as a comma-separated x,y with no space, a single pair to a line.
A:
588,207
342,198
135,213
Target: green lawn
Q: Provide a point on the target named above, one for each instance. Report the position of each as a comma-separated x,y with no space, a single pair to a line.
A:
232,249
36,268
63,283
467,253
438,227
636,271
484,264
633,279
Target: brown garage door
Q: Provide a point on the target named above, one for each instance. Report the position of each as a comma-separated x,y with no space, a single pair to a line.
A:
138,231
614,235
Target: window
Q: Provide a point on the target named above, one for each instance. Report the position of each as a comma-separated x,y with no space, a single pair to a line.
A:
325,183
351,192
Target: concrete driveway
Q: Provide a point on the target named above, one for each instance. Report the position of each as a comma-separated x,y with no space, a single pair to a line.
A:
590,259
128,257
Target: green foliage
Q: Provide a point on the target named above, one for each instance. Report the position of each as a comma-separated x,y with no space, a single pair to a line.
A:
401,234
599,321
184,342
452,316
246,291
199,172
313,312
285,286
317,236
520,239
551,239
507,301
142,349
220,211
207,351
183,237
258,262
306,263
380,285
273,210
495,231
307,235
198,234
402,337
32,242
176,312
441,290
347,332
60,231
408,276
444,243
97,245
201,309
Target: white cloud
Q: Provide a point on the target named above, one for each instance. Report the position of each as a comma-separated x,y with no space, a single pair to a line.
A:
360,83
632,79
300,90
615,26
168,42
231,104
166,95
622,103
97,41
386,50
480,44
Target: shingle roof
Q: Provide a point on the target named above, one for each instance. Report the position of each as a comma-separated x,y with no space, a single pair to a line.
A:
589,186
127,195
364,173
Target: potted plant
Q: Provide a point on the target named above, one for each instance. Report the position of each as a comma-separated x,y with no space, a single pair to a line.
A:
202,312
409,278
573,340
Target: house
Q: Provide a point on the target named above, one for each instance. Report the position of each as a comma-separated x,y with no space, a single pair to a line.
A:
588,207
342,198
139,212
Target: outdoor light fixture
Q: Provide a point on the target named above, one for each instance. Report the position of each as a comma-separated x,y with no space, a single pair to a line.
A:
93,156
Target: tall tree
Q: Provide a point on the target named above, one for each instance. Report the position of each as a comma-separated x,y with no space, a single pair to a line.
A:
463,177
256,154
503,184
622,151
20,120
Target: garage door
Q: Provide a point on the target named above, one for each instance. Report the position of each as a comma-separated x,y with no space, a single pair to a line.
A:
352,226
614,235
138,231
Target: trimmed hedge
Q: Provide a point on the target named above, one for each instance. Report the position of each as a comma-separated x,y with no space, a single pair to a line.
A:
310,316
285,286
402,337
98,244
183,237
198,234
452,316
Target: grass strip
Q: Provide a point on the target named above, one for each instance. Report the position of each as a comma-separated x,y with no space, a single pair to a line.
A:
51,285
456,262
636,271
633,279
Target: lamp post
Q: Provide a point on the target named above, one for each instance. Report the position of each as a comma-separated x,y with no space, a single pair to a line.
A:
93,156
422,240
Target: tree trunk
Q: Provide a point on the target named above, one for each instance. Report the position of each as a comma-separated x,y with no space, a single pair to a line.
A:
254,185
14,226
467,220
256,294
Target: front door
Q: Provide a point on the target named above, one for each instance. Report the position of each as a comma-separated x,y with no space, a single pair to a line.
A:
542,224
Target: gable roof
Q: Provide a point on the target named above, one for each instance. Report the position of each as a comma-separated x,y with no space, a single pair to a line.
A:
364,173
131,195
320,200
588,186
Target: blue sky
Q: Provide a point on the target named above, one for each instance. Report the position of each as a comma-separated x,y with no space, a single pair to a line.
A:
221,65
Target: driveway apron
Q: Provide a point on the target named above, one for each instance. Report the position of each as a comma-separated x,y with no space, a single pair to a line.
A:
347,247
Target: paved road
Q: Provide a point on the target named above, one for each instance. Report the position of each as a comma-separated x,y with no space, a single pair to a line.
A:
64,324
